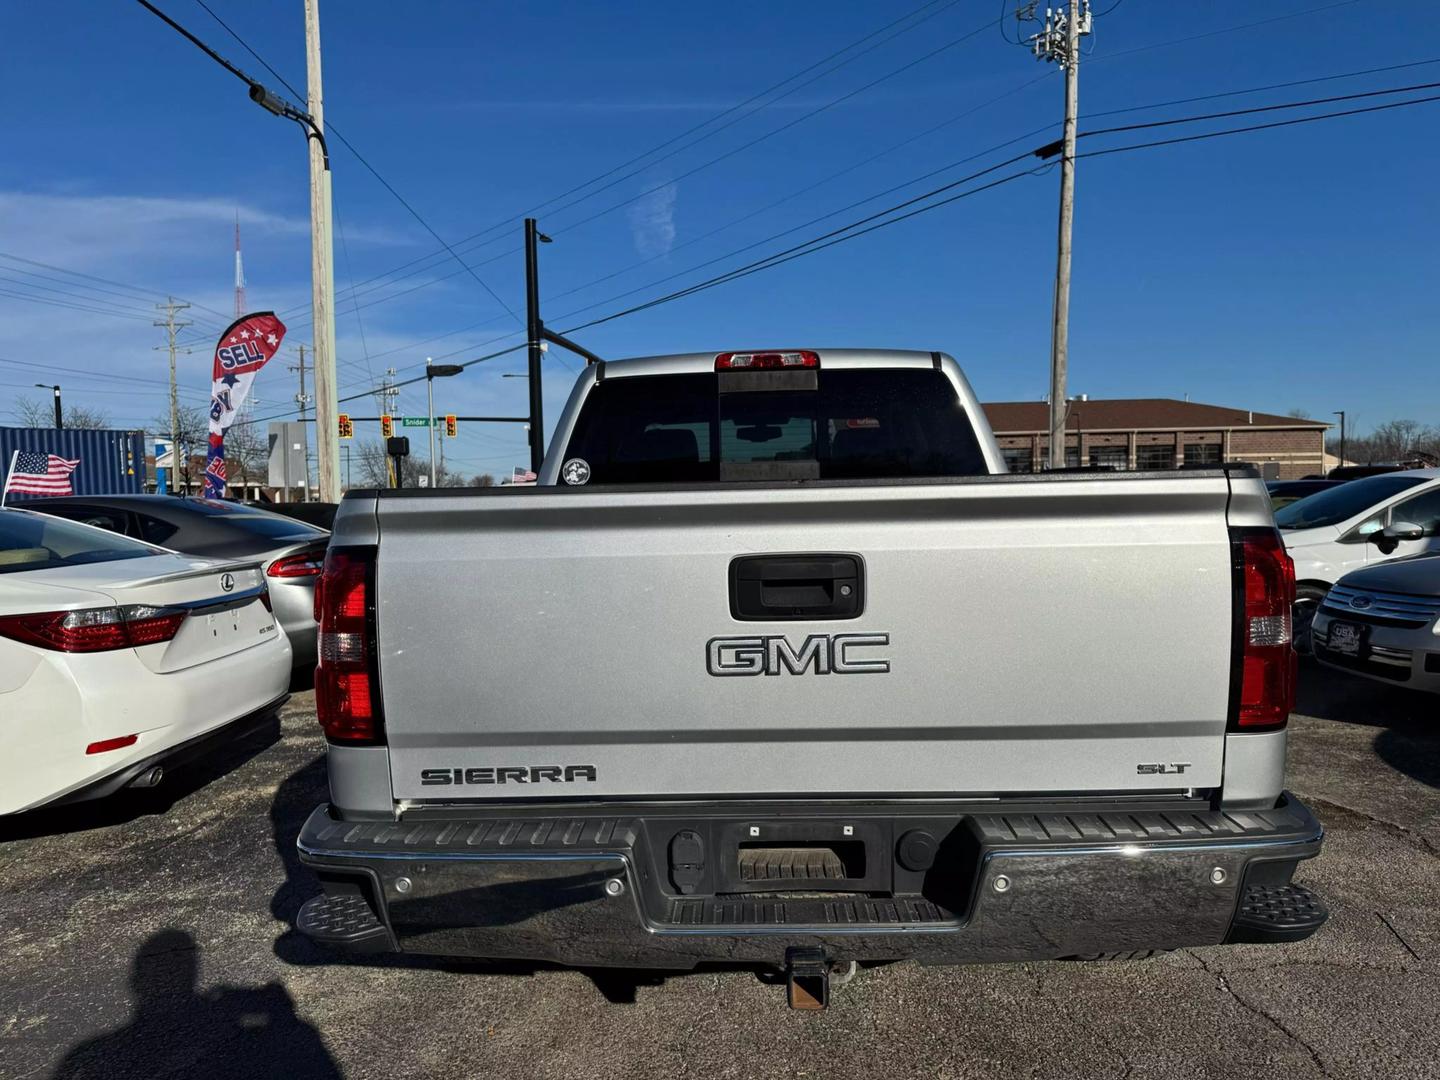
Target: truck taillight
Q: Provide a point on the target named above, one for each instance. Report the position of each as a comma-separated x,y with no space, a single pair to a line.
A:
753,361
1264,587
347,687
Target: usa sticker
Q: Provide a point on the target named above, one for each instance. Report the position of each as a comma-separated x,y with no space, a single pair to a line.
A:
576,471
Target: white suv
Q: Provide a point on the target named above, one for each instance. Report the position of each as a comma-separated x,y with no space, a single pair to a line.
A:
1357,524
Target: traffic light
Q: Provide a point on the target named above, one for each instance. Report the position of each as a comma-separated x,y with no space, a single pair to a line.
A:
451,427
387,426
347,429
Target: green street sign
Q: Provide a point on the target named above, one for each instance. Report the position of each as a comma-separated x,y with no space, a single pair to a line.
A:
415,421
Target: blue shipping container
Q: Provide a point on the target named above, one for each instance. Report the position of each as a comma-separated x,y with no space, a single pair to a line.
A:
111,462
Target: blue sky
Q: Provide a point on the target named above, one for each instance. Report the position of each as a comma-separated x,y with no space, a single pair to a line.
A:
1287,269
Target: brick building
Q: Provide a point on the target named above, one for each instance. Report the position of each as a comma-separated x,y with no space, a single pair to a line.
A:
1158,433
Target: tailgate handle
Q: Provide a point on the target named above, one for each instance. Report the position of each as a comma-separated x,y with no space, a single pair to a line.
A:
777,587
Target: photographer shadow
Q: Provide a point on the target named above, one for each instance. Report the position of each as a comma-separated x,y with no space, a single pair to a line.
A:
179,1030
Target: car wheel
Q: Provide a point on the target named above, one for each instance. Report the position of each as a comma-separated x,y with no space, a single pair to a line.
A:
1307,602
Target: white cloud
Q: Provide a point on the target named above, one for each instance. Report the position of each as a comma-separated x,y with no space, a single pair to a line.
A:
652,222
76,229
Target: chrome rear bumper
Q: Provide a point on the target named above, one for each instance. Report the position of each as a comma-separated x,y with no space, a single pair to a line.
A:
594,890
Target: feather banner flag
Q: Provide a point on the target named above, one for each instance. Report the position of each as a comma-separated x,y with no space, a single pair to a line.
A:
244,348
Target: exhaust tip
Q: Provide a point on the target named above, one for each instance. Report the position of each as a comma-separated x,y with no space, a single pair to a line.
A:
151,777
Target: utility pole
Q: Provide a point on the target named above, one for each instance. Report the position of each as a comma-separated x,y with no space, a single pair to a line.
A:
322,274
172,325
302,400
1059,41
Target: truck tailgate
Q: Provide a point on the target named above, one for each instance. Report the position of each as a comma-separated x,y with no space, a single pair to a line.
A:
1048,634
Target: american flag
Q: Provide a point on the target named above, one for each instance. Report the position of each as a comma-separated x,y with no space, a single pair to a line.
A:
40,474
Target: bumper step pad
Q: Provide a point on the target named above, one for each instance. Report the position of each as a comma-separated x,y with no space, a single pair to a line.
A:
1275,913
346,921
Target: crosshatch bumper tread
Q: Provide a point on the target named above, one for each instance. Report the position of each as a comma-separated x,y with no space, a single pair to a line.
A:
346,921
1272,913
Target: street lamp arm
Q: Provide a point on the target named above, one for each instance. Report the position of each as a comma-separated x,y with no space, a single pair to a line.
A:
565,343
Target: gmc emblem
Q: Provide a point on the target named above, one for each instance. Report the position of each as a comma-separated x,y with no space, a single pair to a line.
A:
825,654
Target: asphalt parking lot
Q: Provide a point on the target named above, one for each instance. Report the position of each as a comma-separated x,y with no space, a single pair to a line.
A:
151,937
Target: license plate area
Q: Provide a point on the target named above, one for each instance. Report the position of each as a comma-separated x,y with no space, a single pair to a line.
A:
1347,639
813,856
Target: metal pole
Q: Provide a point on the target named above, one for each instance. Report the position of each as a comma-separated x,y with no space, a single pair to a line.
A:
322,274
430,403
1060,329
1341,413
533,333
171,326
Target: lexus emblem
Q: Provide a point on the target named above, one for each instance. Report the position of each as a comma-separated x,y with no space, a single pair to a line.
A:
227,582
1361,602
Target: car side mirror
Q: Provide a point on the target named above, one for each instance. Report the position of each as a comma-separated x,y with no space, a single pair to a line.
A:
1402,530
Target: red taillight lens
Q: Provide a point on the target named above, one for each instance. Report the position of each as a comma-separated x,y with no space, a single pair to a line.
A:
1264,598
306,564
105,745
752,361
146,625
347,697
94,629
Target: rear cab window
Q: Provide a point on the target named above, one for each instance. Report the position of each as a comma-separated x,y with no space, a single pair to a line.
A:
840,424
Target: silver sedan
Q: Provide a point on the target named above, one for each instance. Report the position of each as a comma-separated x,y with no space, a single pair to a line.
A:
1383,622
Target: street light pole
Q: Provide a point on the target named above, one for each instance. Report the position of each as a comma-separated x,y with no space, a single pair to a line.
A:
533,337
59,423
430,415
322,272
433,372
1341,413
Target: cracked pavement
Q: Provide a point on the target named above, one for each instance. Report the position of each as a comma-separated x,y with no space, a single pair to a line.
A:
150,937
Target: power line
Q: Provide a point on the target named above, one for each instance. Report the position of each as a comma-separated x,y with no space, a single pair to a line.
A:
884,153
883,218
1306,11
1263,108
1260,127
358,156
669,142
835,236
140,293
685,175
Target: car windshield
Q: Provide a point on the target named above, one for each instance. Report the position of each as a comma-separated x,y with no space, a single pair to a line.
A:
41,542
1342,503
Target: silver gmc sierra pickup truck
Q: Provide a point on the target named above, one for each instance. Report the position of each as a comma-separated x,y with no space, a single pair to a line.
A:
777,666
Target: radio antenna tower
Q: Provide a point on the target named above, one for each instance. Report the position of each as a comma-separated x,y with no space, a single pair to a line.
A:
239,272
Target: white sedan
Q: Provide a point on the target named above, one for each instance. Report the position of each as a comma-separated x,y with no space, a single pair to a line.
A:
118,659
1358,523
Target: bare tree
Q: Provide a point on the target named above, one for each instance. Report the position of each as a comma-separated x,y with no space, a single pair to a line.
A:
194,435
247,454
41,414
1298,414
1393,441
482,480
373,469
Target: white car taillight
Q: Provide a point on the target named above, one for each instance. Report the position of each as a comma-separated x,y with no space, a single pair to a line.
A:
95,629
